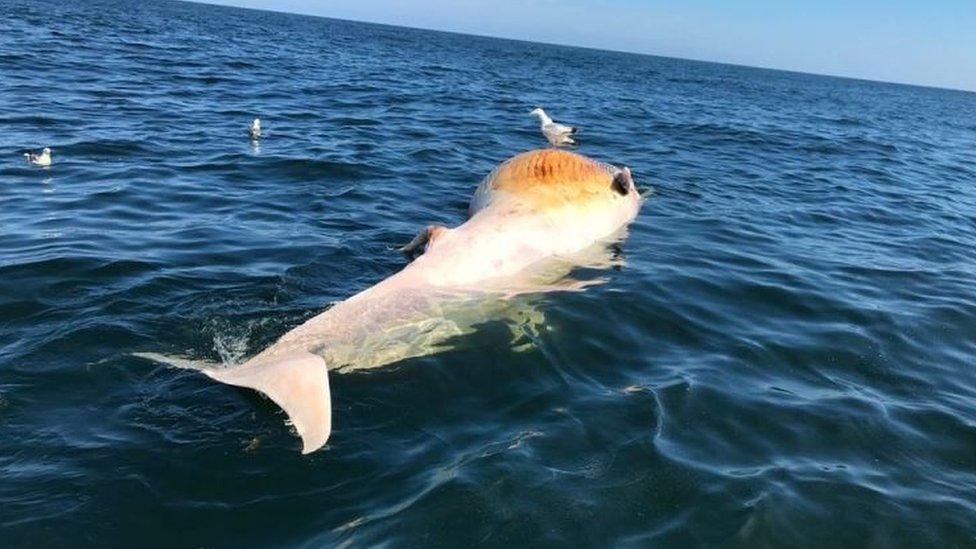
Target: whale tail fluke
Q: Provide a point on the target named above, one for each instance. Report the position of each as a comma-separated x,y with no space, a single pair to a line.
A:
298,383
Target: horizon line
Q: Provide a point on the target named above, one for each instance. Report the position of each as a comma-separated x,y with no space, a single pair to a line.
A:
592,48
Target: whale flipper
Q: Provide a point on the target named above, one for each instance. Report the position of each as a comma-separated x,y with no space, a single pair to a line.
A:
424,239
299,383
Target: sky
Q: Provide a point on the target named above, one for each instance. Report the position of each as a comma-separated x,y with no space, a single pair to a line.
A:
930,43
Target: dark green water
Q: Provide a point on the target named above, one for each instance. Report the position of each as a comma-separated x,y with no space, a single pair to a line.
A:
784,355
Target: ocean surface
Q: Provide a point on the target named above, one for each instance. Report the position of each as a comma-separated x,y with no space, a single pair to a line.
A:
783,352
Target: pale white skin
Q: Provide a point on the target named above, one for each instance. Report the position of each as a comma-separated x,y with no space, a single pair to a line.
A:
557,134
43,159
457,280
255,130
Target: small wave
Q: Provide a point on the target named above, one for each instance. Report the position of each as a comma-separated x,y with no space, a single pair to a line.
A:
239,64
687,80
31,120
105,147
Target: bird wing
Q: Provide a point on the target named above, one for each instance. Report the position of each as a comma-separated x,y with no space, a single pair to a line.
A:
556,127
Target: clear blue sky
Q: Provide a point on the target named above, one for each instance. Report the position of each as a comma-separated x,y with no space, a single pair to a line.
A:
914,41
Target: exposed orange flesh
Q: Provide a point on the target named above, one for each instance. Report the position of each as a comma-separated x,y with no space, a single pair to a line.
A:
552,177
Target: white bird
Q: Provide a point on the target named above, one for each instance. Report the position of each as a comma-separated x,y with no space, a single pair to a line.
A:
255,130
43,159
557,134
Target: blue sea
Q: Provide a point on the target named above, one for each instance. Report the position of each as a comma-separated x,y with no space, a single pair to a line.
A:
781,354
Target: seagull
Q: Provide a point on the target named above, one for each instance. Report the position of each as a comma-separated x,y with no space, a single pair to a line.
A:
255,130
43,159
557,134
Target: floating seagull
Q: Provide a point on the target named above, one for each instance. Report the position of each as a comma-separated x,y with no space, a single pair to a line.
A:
255,130
43,159
557,134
